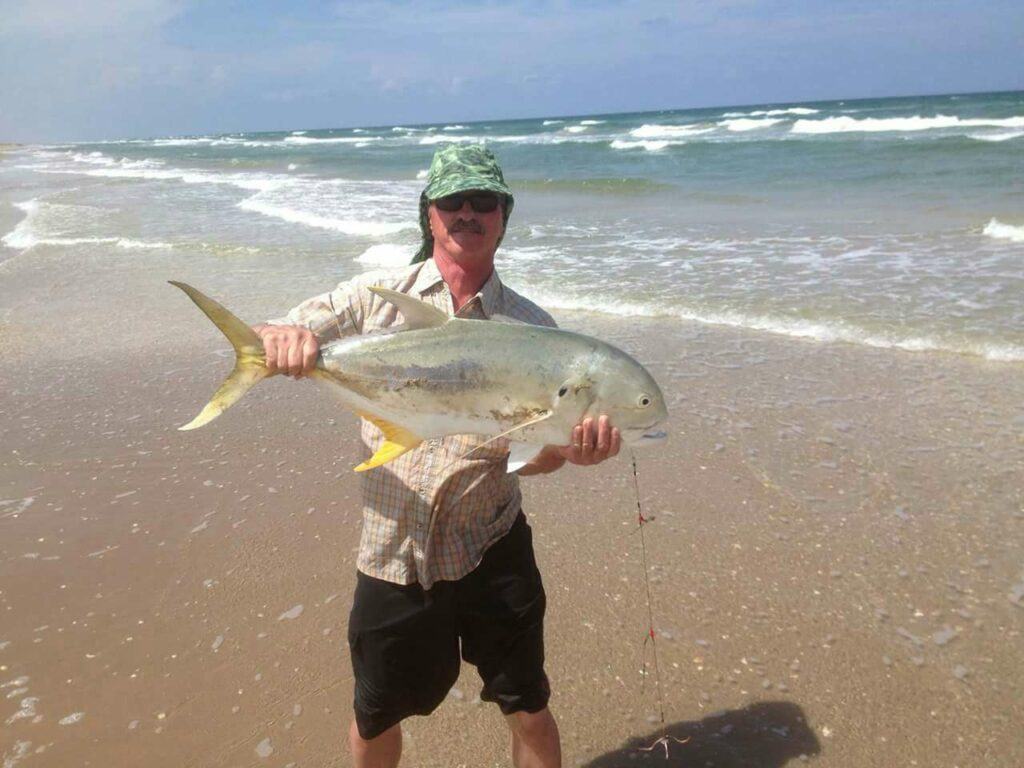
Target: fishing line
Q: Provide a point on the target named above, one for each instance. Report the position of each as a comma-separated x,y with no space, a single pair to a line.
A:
650,637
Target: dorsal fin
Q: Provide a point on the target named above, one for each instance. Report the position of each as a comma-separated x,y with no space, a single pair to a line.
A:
417,314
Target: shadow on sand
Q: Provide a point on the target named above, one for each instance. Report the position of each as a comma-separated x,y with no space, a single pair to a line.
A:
764,735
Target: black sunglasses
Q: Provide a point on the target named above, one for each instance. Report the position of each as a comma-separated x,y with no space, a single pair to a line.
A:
480,202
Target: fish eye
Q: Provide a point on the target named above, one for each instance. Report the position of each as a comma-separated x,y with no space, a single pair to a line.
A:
562,391
644,401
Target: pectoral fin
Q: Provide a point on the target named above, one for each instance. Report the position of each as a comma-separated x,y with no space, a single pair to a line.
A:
535,420
522,454
397,440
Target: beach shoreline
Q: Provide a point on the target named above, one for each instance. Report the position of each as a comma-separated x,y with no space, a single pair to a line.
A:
833,560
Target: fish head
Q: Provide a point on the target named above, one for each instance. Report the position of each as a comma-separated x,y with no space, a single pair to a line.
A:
613,383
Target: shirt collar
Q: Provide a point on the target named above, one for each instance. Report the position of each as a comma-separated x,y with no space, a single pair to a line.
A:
490,294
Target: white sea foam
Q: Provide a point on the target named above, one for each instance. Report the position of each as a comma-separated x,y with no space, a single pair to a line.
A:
299,133
178,142
148,169
386,255
26,710
845,124
794,327
330,140
749,124
575,128
552,122
129,243
996,136
422,173
345,226
449,139
30,232
773,112
454,128
13,508
650,146
363,208
592,122
996,229
655,131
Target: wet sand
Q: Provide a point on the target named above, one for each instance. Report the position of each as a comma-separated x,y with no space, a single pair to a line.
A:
836,557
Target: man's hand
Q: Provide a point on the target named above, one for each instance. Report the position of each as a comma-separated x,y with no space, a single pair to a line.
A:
591,444
291,349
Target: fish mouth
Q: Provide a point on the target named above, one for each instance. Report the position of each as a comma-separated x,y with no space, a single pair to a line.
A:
652,436
647,435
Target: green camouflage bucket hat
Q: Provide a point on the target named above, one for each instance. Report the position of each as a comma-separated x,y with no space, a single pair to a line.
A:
455,169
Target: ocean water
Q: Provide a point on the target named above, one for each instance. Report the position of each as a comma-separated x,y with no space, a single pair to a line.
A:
893,222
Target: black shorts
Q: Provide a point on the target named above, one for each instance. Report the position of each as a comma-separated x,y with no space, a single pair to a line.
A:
405,641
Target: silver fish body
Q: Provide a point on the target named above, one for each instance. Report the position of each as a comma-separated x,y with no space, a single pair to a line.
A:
487,377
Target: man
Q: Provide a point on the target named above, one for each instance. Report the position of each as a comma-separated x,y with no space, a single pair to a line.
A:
446,556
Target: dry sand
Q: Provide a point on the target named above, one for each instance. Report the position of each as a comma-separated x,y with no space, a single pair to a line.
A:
836,560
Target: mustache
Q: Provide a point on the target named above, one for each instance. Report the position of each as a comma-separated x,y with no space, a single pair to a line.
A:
467,225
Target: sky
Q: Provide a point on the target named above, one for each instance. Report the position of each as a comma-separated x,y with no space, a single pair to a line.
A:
95,69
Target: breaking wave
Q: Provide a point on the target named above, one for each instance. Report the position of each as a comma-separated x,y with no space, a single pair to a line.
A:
845,124
996,229
308,140
29,233
773,112
748,124
824,331
386,255
996,136
655,131
650,146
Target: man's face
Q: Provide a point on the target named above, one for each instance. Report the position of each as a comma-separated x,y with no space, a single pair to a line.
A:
466,235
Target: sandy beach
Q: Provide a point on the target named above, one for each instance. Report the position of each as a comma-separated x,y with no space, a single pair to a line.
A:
835,559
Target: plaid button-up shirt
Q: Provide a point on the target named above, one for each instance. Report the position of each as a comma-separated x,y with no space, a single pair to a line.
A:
427,516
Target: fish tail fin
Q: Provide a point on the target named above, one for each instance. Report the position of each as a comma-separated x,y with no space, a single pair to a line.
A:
250,361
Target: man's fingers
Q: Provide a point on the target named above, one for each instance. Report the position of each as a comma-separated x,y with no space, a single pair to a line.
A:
587,451
294,358
270,351
310,352
604,438
616,443
282,359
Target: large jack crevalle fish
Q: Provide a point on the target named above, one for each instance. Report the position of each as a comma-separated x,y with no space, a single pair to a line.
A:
438,375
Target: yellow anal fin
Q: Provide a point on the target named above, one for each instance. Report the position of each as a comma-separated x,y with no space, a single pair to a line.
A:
397,440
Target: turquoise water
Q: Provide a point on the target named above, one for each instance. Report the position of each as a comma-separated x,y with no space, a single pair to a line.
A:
894,222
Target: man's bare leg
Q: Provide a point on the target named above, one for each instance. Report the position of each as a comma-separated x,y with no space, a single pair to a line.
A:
381,751
535,740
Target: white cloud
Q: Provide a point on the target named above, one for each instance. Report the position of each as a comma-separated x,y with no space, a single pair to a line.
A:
84,18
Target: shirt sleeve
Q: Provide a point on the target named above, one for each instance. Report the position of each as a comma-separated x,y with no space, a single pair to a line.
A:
330,315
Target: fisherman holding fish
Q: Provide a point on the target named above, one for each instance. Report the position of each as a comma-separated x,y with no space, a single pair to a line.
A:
474,579
453,410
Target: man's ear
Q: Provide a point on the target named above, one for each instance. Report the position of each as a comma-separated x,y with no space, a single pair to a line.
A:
430,221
